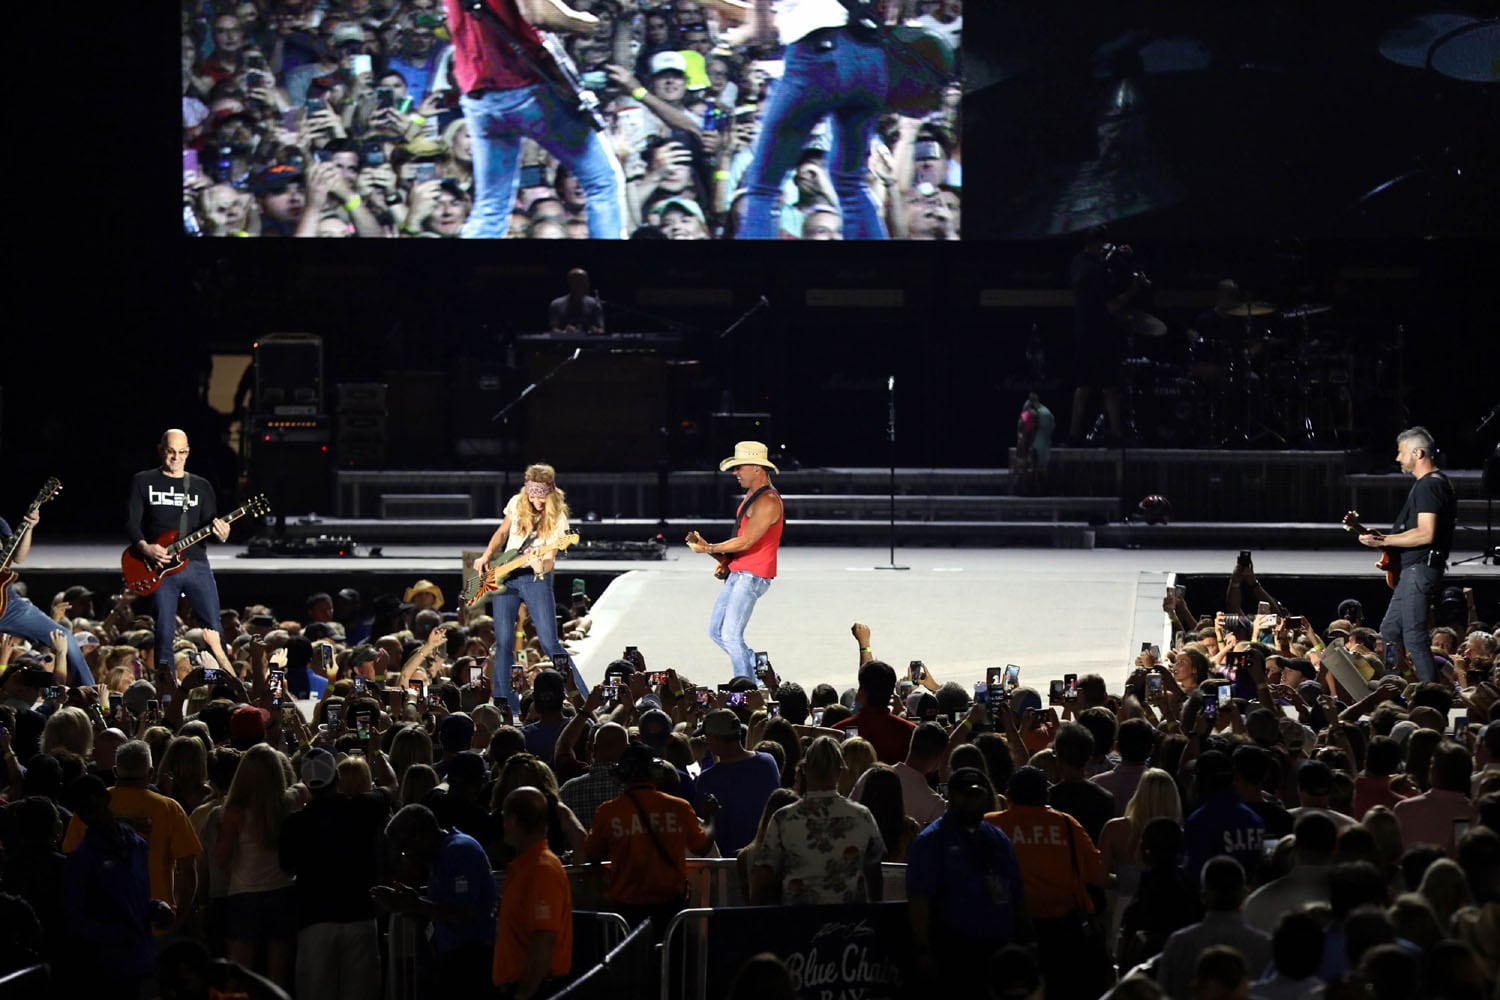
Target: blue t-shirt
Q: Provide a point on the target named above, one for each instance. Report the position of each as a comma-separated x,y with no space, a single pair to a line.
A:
742,788
1223,825
972,878
461,876
541,738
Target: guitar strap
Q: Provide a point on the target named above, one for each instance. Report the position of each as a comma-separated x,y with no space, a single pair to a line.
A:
187,483
740,515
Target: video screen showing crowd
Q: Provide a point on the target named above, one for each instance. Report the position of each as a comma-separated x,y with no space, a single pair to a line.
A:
602,119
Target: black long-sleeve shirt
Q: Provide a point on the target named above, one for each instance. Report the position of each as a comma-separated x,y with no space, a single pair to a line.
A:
156,501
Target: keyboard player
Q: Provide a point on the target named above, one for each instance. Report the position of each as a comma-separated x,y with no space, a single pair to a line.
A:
578,311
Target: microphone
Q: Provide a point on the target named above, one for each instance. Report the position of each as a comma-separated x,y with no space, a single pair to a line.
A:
890,384
763,302
576,351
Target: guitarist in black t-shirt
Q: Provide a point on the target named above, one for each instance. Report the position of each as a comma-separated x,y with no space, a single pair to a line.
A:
169,498
1423,534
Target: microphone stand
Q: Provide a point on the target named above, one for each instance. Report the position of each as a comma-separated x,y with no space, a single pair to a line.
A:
890,434
502,415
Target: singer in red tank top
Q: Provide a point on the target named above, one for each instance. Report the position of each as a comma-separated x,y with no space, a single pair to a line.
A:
747,562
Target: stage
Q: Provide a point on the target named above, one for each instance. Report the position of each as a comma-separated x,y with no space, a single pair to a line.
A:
1050,611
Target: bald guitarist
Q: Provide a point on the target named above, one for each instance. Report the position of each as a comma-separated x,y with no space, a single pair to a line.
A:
747,562
1422,537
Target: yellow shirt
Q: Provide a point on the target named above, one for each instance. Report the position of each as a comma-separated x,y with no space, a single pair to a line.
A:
164,826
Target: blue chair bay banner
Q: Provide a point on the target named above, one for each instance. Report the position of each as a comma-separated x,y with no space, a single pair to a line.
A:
832,952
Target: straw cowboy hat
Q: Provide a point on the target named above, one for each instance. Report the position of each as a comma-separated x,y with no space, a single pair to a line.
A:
749,453
425,587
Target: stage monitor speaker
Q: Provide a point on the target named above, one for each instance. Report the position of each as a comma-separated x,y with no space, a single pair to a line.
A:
289,374
296,476
362,439
362,397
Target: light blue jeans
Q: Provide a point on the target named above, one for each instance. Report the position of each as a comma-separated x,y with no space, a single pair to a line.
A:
726,626
30,622
828,73
537,595
499,120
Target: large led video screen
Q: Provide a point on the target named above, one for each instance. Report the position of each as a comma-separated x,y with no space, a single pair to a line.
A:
1231,121
603,119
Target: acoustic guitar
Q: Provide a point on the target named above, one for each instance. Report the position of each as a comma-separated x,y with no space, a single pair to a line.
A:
492,580
8,576
1388,563
723,559
141,578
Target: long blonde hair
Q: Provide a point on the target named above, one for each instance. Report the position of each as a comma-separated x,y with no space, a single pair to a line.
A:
1155,797
259,792
556,508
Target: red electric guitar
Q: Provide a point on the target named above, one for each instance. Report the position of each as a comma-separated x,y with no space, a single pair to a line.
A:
1389,564
8,576
142,578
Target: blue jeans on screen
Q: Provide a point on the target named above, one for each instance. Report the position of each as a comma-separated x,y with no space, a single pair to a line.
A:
499,120
726,625
30,622
197,582
539,600
829,72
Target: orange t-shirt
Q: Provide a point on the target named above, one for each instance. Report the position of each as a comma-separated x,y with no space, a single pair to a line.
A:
639,874
1052,875
536,897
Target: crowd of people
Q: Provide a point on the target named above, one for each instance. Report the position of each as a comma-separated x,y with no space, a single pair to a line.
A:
1240,818
341,118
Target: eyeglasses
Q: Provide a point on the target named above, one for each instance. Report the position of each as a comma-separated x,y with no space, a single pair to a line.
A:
685,28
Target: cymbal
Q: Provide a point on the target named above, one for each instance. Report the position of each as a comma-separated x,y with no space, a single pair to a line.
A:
1309,309
1249,309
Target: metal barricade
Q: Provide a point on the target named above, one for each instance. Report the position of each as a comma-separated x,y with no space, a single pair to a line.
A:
688,931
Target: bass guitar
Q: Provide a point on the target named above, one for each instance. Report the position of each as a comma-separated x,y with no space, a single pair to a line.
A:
492,580
51,488
1388,563
552,64
141,578
722,559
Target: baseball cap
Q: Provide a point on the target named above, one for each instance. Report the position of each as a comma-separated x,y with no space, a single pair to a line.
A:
548,689
655,727
686,205
275,179
966,779
668,62
247,726
77,593
319,769
723,723
635,763
455,732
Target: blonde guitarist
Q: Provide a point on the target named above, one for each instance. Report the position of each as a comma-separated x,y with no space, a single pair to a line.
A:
750,565
535,518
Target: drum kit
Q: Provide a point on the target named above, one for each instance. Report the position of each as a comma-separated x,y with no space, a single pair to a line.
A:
1265,377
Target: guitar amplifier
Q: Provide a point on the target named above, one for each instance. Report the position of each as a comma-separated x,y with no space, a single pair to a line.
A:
289,374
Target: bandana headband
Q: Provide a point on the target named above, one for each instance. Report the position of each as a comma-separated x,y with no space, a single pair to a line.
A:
538,491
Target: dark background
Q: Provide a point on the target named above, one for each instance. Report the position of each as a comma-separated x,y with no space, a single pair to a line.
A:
117,313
